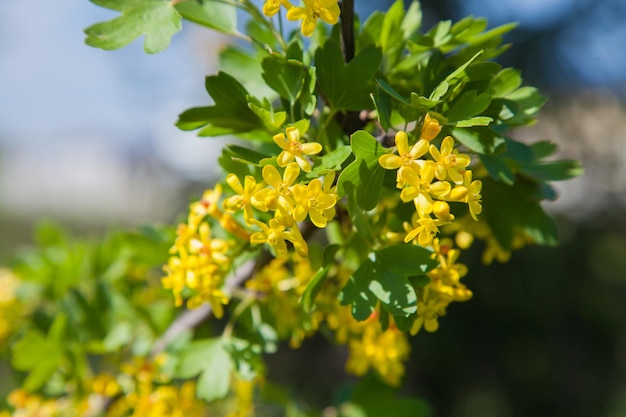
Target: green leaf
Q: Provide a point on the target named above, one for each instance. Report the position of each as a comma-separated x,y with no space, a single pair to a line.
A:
378,398
313,288
356,292
214,382
371,182
285,76
505,82
364,172
543,148
467,106
383,107
554,170
245,66
215,15
393,93
371,29
479,139
394,292
265,111
347,86
520,107
308,99
246,155
439,91
330,162
39,356
385,280
193,358
420,102
230,114
509,209
406,259
390,38
158,20
498,168
474,121
412,20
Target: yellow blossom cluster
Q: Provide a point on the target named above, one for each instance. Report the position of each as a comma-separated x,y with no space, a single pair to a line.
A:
444,287
310,12
271,210
279,193
466,231
385,351
26,404
10,307
370,346
280,290
142,390
201,261
431,183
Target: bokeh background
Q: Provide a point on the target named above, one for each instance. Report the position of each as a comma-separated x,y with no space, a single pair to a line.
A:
87,140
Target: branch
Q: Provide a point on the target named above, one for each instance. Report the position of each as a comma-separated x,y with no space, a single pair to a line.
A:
347,29
192,318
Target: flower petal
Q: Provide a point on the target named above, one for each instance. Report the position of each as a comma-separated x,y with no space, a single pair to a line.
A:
271,176
390,161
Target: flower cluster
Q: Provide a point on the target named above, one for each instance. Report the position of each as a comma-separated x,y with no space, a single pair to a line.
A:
431,183
26,404
10,306
280,193
310,12
143,390
382,350
279,291
444,287
270,209
201,261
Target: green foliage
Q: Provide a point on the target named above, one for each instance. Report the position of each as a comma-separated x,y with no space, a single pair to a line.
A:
364,176
385,279
346,86
158,20
336,215
229,114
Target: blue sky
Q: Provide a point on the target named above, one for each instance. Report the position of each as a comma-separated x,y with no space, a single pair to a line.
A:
54,86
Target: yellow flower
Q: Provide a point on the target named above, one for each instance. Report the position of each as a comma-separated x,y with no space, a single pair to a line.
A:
311,199
473,197
381,350
293,148
327,10
446,278
469,192
430,129
244,198
271,7
450,163
208,205
420,188
424,228
274,235
281,186
200,263
406,157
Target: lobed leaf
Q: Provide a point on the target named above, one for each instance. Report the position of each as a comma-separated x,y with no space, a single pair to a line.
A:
158,20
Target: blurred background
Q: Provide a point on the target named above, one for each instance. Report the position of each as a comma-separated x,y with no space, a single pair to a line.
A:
87,140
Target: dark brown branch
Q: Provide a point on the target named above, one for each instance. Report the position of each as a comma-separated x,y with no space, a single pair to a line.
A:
347,29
